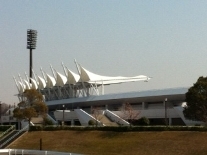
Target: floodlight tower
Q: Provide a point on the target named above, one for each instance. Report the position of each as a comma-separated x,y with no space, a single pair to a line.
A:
31,44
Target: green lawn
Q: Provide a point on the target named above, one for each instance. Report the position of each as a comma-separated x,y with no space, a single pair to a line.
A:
117,143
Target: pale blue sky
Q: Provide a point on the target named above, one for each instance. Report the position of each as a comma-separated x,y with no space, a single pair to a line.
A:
166,40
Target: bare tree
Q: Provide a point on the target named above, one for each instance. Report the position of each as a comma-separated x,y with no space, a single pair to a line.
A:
97,114
129,113
4,108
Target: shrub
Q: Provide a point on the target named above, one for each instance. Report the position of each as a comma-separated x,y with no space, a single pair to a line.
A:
91,122
143,121
47,121
35,128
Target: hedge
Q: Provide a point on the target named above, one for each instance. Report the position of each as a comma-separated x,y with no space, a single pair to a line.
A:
121,129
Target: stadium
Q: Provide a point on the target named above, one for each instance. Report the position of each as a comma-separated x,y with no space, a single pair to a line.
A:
76,98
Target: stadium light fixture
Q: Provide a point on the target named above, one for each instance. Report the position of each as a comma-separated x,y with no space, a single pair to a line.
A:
31,44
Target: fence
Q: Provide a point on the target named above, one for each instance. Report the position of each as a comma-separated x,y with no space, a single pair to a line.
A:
7,131
14,136
32,152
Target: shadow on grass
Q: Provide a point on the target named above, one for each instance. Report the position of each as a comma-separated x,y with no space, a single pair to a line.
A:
102,134
110,134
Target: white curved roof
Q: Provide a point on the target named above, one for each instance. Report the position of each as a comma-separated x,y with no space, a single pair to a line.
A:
27,84
61,80
87,76
42,83
73,78
21,87
50,81
34,84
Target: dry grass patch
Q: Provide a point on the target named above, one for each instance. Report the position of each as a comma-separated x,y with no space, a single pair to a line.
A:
116,143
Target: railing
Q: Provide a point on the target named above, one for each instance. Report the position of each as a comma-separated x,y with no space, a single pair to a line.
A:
51,118
113,117
33,152
84,117
10,129
14,136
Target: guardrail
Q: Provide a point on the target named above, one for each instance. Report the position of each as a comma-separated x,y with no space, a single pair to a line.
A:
33,152
10,129
112,116
14,136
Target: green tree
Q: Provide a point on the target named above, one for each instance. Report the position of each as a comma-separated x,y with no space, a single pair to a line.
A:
196,100
31,106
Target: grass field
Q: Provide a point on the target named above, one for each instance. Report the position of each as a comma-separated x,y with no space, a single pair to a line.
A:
117,143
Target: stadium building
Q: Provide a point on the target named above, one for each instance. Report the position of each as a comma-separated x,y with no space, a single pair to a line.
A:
75,99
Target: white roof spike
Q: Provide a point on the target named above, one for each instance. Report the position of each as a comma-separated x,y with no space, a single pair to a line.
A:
77,66
81,80
34,84
53,72
43,74
42,83
27,84
16,84
50,81
61,80
64,69
21,87
26,76
73,78
20,78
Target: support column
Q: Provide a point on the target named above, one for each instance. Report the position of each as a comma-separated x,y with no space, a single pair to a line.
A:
165,108
170,121
72,122
91,110
106,106
30,66
144,105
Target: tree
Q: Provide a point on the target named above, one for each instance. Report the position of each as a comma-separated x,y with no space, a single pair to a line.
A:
196,100
31,106
4,108
97,114
129,113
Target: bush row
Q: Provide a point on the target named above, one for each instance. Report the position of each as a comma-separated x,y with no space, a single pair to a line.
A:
121,129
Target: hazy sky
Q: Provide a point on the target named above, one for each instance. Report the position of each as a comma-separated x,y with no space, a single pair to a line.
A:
166,40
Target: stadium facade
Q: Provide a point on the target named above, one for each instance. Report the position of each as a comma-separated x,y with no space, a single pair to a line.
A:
75,99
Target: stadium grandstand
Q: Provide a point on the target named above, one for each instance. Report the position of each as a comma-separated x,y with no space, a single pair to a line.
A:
72,99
